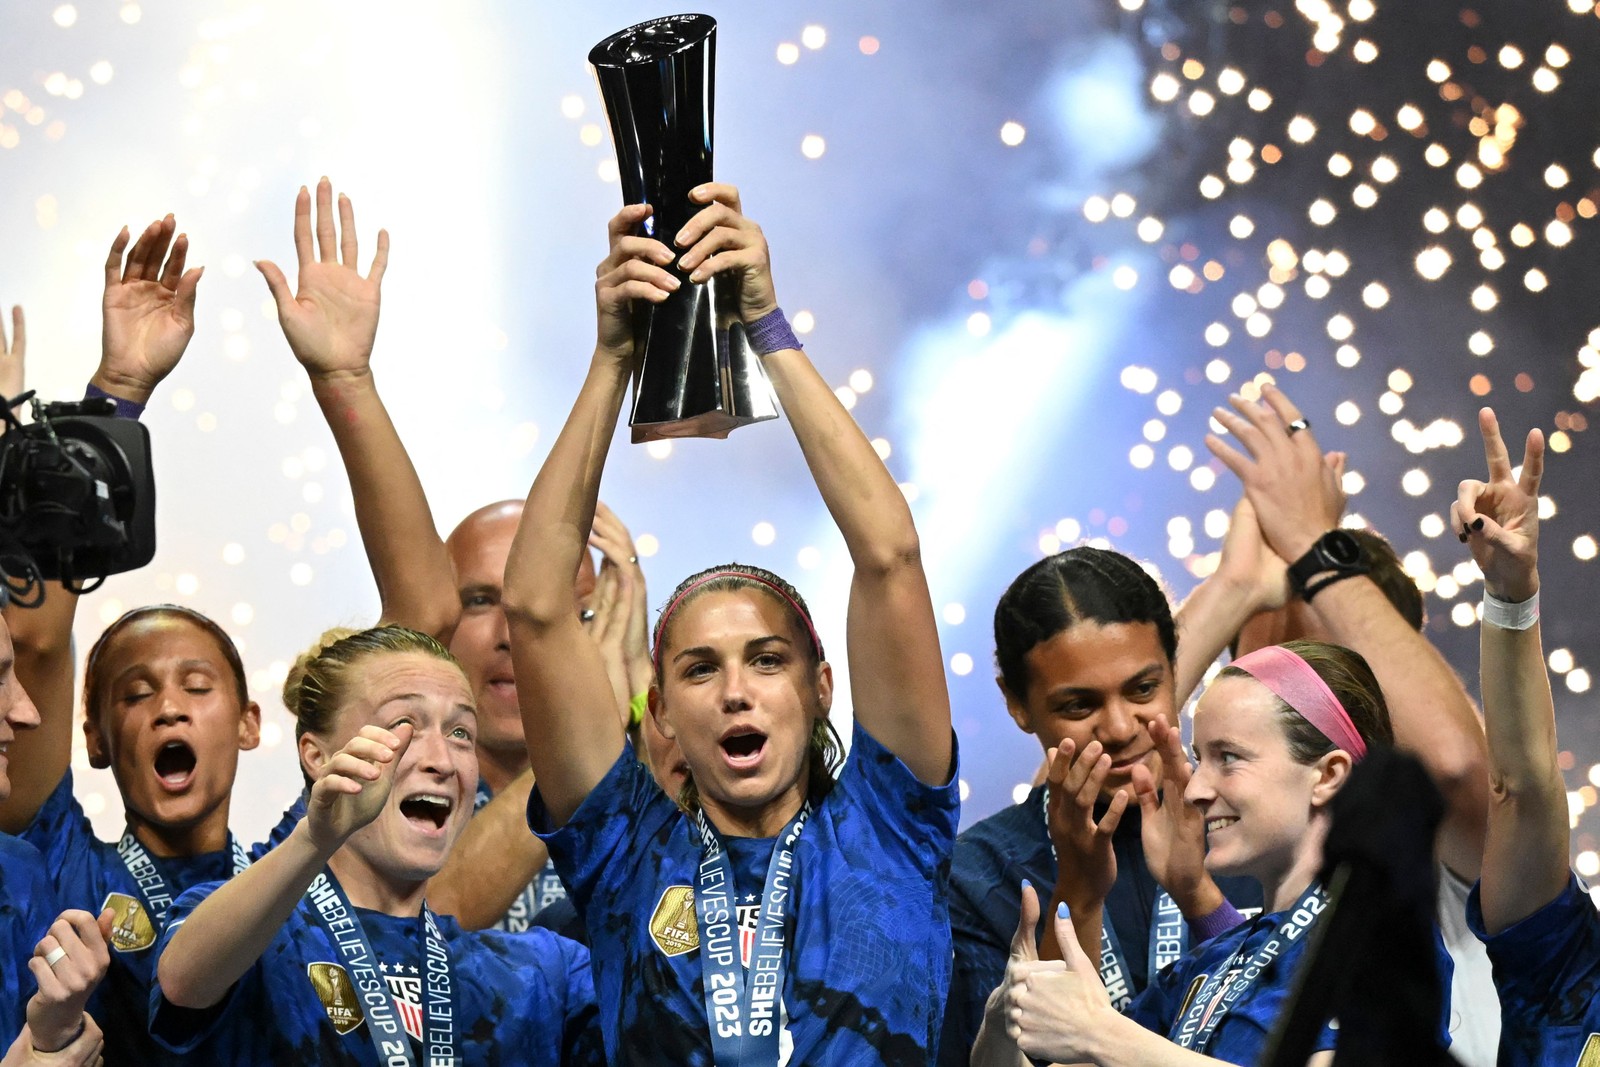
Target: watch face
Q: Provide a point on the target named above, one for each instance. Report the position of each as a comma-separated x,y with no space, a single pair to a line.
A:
1341,548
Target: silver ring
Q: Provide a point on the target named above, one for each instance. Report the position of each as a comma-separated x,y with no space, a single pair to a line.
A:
55,956
1297,425
633,559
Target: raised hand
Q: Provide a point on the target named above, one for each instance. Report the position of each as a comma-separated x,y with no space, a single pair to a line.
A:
1295,490
331,321
354,785
67,964
13,356
1056,1014
1249,564
1086,865
1499,518
147,310
628,627
634,269
720,240
1173,831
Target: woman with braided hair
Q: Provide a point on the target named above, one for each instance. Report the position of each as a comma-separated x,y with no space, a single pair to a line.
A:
785,916
1276,736
1089,662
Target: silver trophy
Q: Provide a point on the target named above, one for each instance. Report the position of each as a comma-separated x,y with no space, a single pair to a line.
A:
694,372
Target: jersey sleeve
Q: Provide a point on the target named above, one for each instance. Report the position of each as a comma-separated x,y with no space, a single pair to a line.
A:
1546,967
918,819
610,830
179,1029
291,818
73,855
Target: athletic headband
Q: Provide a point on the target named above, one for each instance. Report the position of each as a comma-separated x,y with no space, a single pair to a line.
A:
1294,682
666,613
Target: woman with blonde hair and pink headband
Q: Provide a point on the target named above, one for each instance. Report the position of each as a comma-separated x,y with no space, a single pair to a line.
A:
1275,738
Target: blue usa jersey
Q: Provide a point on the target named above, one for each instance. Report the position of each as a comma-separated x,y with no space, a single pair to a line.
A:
90,874
519,998
1242,1034
27,908
867,942
1547,969
991,860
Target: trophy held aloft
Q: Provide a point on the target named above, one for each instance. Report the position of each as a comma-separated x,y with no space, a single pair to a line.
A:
694,372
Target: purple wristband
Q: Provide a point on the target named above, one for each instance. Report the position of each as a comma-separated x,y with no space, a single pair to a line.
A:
1222,920
126,409
771,333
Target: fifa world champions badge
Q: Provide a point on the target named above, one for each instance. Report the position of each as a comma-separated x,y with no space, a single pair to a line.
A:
338,995
131,928
672,926
1590,1056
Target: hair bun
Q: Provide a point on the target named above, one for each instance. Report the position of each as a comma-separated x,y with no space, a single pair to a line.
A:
294,683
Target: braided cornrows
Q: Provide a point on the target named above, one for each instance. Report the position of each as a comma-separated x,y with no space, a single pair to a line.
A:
1082,584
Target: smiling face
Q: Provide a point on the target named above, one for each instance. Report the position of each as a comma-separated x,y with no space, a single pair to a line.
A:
16,709
437,777
170,725
1099,682
739,694
1260,804
479,548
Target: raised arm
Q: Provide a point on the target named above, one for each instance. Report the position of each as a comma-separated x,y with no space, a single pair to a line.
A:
1525,854
897,683
217,943
330,324
147,316
1295,494
1250,578
568,710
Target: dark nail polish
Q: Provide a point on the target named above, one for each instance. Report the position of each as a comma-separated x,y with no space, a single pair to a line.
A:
1462,537
1477,524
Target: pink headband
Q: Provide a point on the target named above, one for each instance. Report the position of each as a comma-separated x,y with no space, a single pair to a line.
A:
1294,682
666,613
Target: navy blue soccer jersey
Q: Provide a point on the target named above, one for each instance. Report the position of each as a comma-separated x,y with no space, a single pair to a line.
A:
991,860
90,874
518,998
27,908
1242,1034
1547,970
866,941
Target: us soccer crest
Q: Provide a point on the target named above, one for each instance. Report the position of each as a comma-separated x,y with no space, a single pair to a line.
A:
407,993
338,995
1590,1056
131,928
673,926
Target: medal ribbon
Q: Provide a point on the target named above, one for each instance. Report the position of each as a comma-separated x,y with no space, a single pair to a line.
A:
389,1039
151,883
1228,985
743,1011
1169,938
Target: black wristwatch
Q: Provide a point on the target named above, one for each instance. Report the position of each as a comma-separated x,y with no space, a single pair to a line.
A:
1336,555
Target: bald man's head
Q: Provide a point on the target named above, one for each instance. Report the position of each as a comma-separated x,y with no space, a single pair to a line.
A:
479,547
